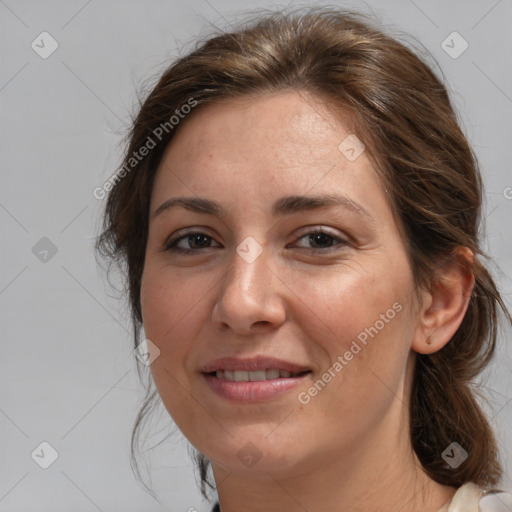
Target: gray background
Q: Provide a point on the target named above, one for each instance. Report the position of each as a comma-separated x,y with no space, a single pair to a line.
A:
67,371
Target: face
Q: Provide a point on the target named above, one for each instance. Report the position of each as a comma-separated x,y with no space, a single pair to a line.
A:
324,292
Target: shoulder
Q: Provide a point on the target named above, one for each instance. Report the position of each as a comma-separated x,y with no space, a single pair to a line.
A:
472,498
469,498
496,501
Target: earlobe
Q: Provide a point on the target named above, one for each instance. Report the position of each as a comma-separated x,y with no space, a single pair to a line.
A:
445,304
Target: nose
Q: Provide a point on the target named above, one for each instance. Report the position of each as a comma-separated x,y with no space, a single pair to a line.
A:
251,296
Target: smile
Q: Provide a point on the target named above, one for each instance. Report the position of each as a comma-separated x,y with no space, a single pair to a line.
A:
255,376
253,386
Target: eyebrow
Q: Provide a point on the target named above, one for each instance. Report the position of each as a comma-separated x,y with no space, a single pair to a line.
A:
281,207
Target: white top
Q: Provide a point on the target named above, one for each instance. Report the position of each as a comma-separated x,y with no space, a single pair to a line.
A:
471,498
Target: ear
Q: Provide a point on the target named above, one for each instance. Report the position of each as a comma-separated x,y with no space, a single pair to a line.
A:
445,304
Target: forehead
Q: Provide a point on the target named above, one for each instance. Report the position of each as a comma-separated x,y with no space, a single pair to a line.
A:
286,137
282,123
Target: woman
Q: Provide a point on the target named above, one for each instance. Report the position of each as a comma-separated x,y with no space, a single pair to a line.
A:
298,213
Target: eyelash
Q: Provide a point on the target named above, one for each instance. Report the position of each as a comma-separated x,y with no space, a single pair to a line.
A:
170,246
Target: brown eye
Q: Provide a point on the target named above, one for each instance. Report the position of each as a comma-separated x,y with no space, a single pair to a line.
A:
195,240
322,241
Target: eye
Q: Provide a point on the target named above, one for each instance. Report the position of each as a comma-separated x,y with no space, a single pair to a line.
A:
197,240
194,240
321,237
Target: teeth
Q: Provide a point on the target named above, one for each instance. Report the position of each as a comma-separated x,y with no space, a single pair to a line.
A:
272,374
255,376
240,376
245,376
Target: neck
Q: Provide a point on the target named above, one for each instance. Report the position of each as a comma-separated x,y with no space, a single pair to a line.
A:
334,487
374,475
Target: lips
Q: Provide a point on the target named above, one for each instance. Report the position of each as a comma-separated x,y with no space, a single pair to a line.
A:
252,391
256,376
240,367
253,379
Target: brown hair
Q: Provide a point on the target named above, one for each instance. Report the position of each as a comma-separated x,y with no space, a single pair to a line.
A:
402,113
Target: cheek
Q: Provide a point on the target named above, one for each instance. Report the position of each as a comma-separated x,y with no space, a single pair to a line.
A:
339,305
170,308
360,317
166,304
169,299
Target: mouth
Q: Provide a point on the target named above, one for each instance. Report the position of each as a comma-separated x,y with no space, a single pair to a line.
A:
253,386
255,379
255,376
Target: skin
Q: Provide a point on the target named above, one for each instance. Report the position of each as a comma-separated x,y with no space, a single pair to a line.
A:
348,448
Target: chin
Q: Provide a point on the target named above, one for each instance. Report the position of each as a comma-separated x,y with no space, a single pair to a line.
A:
251,452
